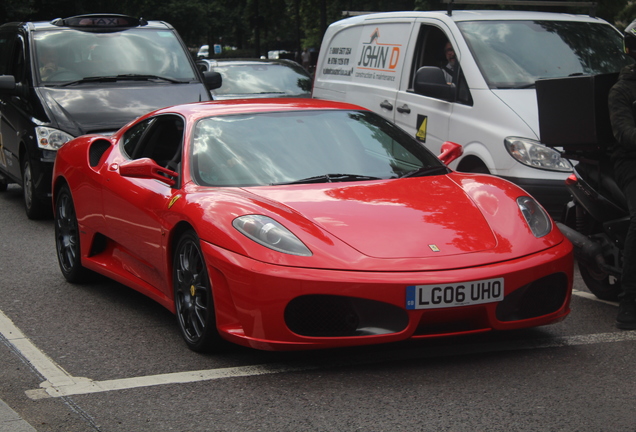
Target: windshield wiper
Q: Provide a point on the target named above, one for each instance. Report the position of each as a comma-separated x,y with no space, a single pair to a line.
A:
426,171
143,77
126,77
329,178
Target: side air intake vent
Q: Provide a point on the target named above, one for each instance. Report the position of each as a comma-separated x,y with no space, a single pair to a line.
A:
97,150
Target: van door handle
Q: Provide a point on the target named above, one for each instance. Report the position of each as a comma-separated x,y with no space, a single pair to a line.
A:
386,105
404,109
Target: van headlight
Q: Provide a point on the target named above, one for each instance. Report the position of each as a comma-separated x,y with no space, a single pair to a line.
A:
533,153
50,138
537,219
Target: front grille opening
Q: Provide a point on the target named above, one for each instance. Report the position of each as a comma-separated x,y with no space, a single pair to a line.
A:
541,297
319,315
449,321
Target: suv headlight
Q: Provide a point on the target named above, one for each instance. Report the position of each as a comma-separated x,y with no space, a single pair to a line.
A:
50,138
537,219
533,153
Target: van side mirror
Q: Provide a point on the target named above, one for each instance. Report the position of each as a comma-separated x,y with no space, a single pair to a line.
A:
430,81
147,168
450,152
212,80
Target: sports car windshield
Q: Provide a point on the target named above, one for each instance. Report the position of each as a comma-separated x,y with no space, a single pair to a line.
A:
305,147
514,54
69,56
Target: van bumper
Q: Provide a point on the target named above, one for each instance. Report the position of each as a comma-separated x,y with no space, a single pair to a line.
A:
551,194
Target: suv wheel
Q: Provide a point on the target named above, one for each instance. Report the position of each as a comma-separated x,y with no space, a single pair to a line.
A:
35,208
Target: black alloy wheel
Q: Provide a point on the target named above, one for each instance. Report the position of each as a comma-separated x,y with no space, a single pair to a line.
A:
67,241
193,296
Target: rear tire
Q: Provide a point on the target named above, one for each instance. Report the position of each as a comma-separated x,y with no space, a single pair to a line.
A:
601,284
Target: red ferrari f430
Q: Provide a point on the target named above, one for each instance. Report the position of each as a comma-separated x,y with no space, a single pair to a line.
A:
299,223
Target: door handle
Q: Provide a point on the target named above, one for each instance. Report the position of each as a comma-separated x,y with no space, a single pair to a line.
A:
386,105
404,109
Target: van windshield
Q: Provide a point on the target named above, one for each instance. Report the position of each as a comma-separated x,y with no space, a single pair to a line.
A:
514,54
68,55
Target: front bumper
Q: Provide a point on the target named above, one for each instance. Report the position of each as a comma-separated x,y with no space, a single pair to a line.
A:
274,307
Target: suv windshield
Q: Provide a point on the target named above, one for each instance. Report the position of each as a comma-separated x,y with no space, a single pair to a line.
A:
70,55
514,54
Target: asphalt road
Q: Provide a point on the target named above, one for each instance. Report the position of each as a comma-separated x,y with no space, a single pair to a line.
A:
102,357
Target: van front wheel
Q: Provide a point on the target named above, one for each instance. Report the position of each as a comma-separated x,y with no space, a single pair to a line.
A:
473,165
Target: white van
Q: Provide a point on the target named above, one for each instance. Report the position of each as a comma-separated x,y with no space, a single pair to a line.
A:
397,64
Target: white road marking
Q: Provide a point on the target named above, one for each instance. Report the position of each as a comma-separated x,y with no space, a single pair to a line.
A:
60,383
591,296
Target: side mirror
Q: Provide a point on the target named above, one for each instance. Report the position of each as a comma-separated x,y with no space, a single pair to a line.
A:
450,152
212,80
7,82
147,168
430,81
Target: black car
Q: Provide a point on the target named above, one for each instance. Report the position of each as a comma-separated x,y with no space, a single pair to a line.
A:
81,75
258,78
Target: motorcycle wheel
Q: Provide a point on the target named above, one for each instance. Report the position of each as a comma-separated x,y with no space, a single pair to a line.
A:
602,285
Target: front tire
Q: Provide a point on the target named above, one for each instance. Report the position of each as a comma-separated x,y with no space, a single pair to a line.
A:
67,239
193,296
601,284
35,208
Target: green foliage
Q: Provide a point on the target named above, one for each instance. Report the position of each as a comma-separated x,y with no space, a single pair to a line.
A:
252,26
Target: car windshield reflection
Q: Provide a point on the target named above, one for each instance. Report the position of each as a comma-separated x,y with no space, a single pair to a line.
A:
73,56
514,54
304,147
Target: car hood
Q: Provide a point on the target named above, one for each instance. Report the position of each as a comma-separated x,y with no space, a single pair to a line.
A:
524,103
90,109
405,218
259,96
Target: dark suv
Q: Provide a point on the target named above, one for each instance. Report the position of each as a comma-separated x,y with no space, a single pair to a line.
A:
81,75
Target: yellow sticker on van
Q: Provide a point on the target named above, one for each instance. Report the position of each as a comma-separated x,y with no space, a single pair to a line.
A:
422,123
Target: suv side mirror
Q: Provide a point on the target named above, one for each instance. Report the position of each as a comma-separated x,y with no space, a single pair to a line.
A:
8,85
212,80
7,82
430,81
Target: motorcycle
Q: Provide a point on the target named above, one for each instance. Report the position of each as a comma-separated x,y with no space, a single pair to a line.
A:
574,118
596,222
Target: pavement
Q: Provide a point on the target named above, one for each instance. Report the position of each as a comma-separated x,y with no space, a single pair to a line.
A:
10,421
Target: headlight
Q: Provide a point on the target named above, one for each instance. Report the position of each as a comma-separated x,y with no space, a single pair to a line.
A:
269,233
536,155
51,139
537,219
